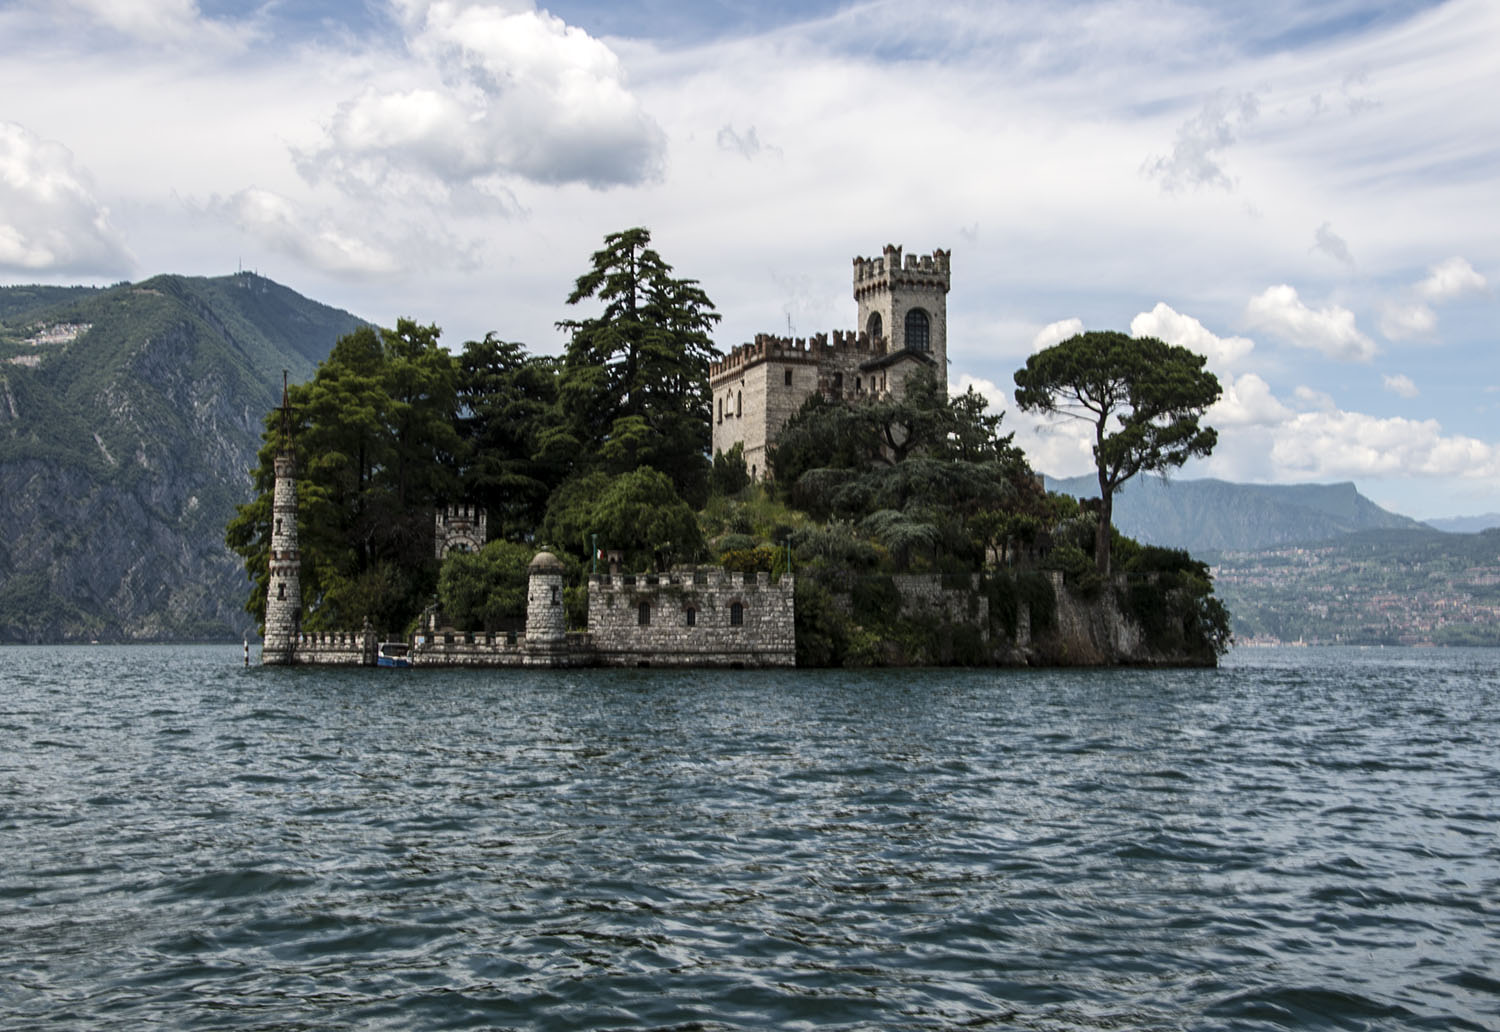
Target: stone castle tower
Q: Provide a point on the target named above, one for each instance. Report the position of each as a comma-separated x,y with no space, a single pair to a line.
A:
907,304
284,589
903,327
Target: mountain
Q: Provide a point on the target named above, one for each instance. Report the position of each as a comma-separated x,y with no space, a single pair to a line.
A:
129,418
1466,524
1216,515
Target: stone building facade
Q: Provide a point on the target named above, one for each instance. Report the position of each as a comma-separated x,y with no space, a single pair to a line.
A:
903,326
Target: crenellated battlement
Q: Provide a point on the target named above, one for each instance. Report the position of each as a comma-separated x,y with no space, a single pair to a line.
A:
929,271
819,347
459,528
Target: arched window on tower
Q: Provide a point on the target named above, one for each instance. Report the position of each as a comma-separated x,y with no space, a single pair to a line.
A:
721,410
875,327
917,330
692,617
739,403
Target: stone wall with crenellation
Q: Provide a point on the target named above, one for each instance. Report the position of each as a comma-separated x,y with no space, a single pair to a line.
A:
689,619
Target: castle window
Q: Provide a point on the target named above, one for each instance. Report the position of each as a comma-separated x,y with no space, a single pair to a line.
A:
858,387
788,377
555,600
692,617
281,591
739,402
875,326
643,615
278,526
838,381
721,410
917,330
736,615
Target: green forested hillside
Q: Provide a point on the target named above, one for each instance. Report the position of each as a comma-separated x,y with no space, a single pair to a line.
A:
129,418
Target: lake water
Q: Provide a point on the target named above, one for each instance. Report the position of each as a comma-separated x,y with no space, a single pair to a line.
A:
1305,838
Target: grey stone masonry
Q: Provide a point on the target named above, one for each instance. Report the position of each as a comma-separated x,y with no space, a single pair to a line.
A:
284,589
693,616
459,528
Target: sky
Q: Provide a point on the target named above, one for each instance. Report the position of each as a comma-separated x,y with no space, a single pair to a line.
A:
1308,193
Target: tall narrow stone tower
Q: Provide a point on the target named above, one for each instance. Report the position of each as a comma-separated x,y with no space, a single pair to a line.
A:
906,304
284,590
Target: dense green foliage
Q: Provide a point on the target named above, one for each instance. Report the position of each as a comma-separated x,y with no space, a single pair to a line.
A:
928,477
378,452
392,426
1143,398
486,590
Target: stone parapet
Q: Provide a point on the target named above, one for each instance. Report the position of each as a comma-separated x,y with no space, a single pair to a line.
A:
700,616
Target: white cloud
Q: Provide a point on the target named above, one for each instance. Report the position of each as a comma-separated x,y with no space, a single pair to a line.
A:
1400,384
1329,330
1403,320
1196,159
1055,333
1451,279
492,91
282,225
1186,332
1309,398
50,220
1348,444
1247,401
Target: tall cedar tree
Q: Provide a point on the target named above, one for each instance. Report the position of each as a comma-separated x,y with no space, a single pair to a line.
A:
634,383
1143,397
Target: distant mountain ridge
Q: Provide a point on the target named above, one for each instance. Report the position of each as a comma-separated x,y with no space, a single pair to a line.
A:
1466,524
129,418
1217,515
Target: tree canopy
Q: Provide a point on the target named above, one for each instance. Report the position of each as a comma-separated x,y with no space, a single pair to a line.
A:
1143,397
634,381
923,473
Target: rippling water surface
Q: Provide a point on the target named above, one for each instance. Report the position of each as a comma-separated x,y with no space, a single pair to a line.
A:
1305,838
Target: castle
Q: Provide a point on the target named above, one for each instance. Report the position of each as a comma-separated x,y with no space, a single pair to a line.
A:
903,327
690,616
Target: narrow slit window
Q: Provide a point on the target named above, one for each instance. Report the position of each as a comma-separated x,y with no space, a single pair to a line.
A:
736,615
